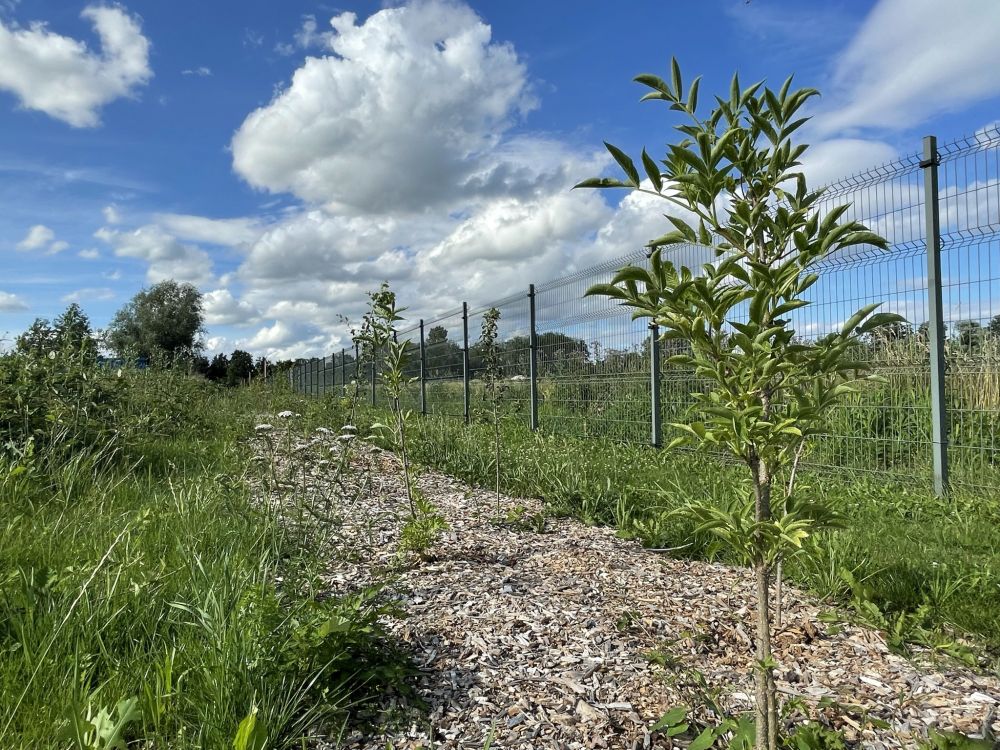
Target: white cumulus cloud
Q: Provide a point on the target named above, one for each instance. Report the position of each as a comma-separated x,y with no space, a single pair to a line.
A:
398,118
89,294
111,214
38,236
63,77
166,256
229,232
221,308
11,302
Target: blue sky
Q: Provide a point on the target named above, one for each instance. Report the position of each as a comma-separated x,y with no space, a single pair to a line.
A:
286,157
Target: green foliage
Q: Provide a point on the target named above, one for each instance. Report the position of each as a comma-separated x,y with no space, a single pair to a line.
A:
938,740
135,563
737,732
378,342
251,734
343,643
218,368
494,387
423,528
519,518
239,368
71,333
165,320
103,730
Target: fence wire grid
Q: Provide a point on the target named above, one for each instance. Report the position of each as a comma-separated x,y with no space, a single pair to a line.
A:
594,366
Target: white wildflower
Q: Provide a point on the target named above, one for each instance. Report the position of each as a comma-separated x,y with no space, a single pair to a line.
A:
263,428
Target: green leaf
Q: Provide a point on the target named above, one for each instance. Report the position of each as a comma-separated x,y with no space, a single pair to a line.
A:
675,76
251,734
692,102
662,91
605,290
652,171
670,238
601,182
704,740
631,273
624,162
881,319
671,718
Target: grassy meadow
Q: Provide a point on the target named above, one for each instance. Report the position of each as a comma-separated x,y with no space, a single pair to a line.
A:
145,596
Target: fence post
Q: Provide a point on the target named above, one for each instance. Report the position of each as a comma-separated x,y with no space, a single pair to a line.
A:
465,358
656,423
343,371
532,361
373,366
935,328
423,371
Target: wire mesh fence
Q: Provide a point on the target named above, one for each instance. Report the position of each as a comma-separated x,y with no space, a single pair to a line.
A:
593,371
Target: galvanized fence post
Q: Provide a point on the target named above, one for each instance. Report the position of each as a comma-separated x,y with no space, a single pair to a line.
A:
656,424
935,328
465,359
532,361
343,371
373,366
423,371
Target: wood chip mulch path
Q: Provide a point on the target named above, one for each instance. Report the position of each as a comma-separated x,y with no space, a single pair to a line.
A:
575,638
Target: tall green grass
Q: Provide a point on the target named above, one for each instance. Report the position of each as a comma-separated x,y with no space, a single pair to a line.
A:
140,583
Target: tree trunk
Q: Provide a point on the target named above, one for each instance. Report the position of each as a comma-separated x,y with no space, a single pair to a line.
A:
766,694
496,444
401,427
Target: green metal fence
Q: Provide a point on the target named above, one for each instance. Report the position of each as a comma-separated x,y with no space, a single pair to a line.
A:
580,366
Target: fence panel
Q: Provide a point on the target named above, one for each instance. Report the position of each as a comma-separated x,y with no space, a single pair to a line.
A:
594,363
444,361
970,271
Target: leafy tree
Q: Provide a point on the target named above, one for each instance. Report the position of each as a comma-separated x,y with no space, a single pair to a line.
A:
240,368
735,177
70,332
199,365
994,327
444,357
73,332
970,335
436,335
40,338
166,319
218,368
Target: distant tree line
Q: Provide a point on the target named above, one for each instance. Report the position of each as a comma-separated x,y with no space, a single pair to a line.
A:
162,326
